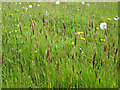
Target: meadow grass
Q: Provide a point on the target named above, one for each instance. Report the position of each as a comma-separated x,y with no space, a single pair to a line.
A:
41,47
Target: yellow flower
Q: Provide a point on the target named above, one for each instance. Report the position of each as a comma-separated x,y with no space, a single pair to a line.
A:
33,20
0,9
72,43
103,40
97,28
17,9
18,19
79,32
15,30
11,14
109,19
83,38
23,12
78,9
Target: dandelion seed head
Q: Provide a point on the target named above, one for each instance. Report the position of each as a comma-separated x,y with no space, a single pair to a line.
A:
83,2
116,18
57,2
30,6
103,26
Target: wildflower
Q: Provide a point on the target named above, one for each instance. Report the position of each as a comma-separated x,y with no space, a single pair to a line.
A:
0,9
35,51
116,18
25,8
15,30
87,4
103,40
18,25
11,14
16,3
78,9
79,32
109,19
97,28
83,38
83,2
30,6
57,2
33,20
38,5
17,9
72,43
47,13
18,19
20,3
23,12
103,25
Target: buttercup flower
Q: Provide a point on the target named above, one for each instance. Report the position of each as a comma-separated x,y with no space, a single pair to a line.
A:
83,38
97,28
103,40
72,43
11,14
15,30
103,25
78,9
17,9
79,32
109,19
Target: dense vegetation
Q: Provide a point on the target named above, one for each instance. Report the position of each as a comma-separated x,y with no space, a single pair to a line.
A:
59,45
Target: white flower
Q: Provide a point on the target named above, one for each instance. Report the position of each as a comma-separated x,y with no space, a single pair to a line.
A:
87,4
103,25
116,18
35,51
38,5
47,13
20,3
83,2
16,3
57,2
18,25
26,9
30,6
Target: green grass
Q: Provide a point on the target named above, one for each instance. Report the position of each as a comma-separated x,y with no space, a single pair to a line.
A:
25,58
